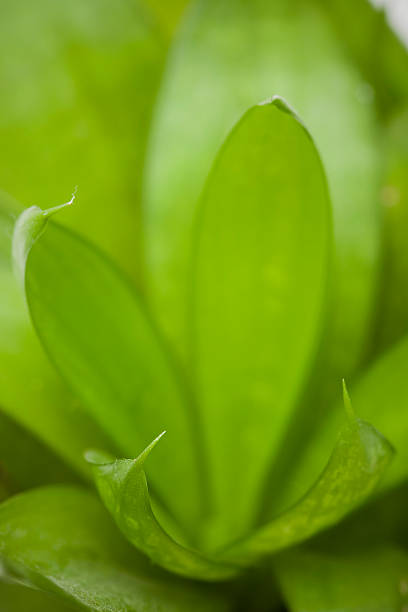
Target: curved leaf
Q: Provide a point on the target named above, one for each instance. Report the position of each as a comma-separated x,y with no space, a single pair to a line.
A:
355,467
99,335
259,275
123,489
381,397
73,111
61,540
371,580
229,55
31,393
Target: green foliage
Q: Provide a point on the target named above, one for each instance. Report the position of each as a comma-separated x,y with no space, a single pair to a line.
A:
60,539
223,264
375,580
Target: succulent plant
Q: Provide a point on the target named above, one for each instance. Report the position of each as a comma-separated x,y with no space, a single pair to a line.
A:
235,248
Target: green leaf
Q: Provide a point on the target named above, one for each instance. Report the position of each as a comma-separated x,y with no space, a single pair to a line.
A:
357,463
380,397
168,14
259,289
392,320
79,82
381,56
31,393
17,598
98,333
370,580
229,55
123,488
61,540
25,461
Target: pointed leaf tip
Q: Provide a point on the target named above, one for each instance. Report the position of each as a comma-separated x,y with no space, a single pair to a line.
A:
283,105
123,489
146,452
51,211
28,228
348,406
98,458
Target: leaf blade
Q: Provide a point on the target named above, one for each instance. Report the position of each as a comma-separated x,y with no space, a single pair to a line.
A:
258,300
61,540
242,53
356,465
98,333
42,405
123,489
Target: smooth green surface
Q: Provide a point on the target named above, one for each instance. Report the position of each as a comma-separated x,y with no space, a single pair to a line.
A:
98,333
357,463
230,55
123,488
78,82
382,58
371,580
61,540
17,598
25,461
31,393
392,322
259,284
168,14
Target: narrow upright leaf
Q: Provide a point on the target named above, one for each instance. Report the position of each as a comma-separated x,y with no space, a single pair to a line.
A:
259,280
31,393
229,55
99,335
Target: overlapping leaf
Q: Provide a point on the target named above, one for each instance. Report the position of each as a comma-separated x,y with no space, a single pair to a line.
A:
31,393
259,288
229,55
60,539
123,488
98,333
380,397
357,463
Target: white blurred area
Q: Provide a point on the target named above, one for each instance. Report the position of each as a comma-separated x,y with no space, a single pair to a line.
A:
397,13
